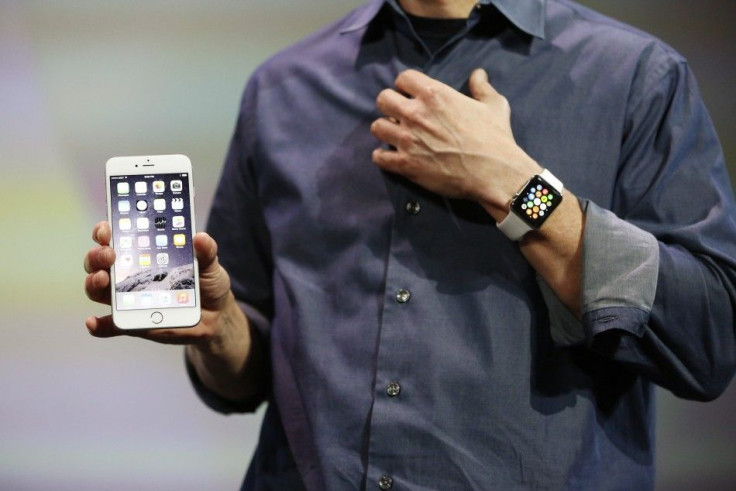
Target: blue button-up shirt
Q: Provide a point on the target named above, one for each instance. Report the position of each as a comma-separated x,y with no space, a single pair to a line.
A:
411,344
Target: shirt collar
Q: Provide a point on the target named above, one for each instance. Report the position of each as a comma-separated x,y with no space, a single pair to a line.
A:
527,15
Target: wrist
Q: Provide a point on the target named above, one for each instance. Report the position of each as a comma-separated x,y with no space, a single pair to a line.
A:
223,326
496,200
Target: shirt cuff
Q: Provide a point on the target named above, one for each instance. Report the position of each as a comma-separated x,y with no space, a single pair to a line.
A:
215,401
619,280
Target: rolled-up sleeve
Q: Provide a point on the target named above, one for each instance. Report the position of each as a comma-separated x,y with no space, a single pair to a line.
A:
617,296
659,268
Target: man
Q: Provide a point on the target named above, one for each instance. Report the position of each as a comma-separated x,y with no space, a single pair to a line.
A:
379,284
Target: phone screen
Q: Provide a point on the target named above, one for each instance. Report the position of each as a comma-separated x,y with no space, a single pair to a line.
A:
152,233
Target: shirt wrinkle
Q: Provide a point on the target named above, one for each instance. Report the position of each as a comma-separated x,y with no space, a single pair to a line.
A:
399,346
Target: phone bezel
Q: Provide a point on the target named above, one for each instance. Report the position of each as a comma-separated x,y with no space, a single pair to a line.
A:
173,317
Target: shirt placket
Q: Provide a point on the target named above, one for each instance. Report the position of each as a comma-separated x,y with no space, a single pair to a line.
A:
395,367
396,364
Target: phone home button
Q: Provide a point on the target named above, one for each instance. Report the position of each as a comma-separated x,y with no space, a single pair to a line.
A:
157,317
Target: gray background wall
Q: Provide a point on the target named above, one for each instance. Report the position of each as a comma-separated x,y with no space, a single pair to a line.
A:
83,80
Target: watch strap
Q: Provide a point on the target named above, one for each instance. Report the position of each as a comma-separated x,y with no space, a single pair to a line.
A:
513,227
552,180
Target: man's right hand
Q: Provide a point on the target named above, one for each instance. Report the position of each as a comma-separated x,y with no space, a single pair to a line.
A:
219,347
214,292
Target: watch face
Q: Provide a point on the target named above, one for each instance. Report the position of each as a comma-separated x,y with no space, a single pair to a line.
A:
536,202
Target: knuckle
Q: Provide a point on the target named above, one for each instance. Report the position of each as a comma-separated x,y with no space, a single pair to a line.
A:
430,94
504,104
107,257
89,287
415,112
97,258
406,140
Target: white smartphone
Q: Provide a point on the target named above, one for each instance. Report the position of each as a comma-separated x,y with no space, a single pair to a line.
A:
150,207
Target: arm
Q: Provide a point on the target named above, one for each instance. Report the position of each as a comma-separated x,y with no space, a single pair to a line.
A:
672,184
232,363
684,338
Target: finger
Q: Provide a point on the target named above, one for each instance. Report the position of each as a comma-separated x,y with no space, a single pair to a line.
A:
101,233
99,258
97,287
391,161
102,327
206,249
415,83
482,90
179,335
392,104
386,131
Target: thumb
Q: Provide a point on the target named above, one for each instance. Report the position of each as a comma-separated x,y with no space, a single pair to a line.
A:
206,249
480,89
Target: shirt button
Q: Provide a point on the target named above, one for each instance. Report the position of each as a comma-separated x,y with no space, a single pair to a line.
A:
385,482
393,389
403,296
413,207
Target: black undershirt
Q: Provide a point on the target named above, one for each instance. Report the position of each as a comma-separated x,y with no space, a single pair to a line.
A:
436,32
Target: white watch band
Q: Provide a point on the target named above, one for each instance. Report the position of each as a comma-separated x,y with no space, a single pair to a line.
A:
552,180
514,227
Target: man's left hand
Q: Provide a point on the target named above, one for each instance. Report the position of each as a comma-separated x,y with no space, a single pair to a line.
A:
452,144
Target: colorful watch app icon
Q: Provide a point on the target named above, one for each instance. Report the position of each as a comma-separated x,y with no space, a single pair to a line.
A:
538,202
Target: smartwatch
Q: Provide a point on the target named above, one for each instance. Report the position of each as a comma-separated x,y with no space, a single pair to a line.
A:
532,205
